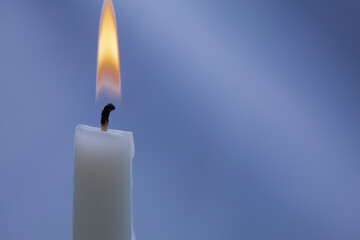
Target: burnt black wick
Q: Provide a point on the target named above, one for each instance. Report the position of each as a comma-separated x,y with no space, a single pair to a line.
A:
105,116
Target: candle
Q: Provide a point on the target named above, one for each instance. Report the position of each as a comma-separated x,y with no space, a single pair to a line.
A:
103,157
102,184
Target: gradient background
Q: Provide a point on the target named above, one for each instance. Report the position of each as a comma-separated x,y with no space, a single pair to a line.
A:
245,116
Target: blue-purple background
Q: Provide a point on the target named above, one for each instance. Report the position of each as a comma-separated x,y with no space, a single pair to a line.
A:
245,116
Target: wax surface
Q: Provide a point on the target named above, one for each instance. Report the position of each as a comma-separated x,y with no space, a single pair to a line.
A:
102,184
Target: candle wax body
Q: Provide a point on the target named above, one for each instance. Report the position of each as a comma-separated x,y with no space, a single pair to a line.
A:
102,184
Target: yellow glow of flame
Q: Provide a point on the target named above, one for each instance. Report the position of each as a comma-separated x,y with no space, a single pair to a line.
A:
108,64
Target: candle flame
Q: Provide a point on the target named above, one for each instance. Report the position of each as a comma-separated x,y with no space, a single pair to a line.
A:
108,64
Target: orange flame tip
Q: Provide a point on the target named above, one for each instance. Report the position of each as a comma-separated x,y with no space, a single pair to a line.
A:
108,63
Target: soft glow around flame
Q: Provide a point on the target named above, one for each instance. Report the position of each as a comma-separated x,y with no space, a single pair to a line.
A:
108,65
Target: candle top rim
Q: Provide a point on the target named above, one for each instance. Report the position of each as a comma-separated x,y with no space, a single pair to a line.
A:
97,129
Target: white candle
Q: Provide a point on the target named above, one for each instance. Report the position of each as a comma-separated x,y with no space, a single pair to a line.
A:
102,184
